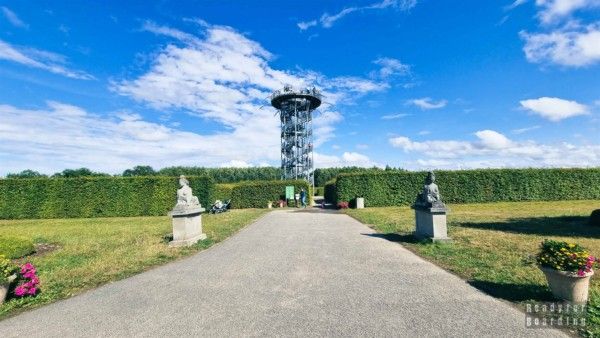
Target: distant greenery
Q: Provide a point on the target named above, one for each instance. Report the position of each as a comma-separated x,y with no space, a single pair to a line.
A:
94,251
140,170
81,172
493,243
26,174
226,175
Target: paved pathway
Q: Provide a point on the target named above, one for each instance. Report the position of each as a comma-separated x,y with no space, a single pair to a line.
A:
289,274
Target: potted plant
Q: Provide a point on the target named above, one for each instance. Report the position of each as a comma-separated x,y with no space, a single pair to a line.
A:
568,269
8,273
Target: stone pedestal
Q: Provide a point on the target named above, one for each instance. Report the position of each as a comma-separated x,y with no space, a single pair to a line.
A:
360,203
431,224
187,226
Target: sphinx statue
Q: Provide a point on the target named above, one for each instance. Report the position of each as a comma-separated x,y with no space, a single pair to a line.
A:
430,195
185,198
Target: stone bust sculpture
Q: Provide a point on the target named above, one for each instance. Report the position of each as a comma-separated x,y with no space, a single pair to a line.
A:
184,194
430,196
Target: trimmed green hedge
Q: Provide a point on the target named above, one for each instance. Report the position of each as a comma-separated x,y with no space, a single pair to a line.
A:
95,196
223,192
469,186
256,194
319,191
330,192
15,247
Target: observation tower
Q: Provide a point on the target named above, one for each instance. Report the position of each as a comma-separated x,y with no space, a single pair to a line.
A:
295,113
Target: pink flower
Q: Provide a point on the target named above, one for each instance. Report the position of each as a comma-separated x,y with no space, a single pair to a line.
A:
32,291
20,291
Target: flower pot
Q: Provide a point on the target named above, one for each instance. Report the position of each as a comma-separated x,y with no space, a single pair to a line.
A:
4,288
568,285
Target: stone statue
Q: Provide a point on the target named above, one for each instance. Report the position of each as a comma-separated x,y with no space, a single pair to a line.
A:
430,196
186,216
184,194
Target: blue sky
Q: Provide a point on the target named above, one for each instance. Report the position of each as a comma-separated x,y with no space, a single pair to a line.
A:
418,84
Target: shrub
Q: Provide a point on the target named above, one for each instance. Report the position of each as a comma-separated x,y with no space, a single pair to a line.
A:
565,256
7,269
343,205
256,194
15,247
595,218
472,186
95,196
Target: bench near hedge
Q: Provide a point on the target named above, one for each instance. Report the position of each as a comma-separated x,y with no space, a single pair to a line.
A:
468,186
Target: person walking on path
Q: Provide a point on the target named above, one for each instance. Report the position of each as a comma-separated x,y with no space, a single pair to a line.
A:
303,197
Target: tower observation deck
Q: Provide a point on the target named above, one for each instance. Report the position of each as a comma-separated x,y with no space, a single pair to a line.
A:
295,113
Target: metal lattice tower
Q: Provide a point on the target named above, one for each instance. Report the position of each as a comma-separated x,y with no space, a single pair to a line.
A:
295,112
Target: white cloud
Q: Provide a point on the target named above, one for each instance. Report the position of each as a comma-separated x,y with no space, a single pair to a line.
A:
553,10
391,66
515,4
575,48
347,159
428,103
324,126
424,132
13,18
492,139
524,130
554,109
328,20
493,149
39,59
362,146
306,25
63,136
394,116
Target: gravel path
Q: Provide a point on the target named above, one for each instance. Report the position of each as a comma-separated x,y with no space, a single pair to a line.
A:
292,273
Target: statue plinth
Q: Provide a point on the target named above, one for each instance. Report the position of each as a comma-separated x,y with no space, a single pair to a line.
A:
431,223
187,225
186,217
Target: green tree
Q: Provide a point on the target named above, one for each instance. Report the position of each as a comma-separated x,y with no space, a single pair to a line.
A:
26,174
140,170
81,172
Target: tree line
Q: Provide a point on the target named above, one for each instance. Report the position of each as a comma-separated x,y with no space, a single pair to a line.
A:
219,175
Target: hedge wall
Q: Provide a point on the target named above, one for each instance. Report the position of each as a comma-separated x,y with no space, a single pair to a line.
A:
330,192
470,186
256,194
95,196
223,191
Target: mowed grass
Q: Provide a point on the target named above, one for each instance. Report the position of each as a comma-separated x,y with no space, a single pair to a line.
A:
95,251
493,243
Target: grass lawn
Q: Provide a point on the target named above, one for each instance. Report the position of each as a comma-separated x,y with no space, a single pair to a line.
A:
493,241
93,251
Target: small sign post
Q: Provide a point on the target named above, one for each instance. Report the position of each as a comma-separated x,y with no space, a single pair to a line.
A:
289,192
